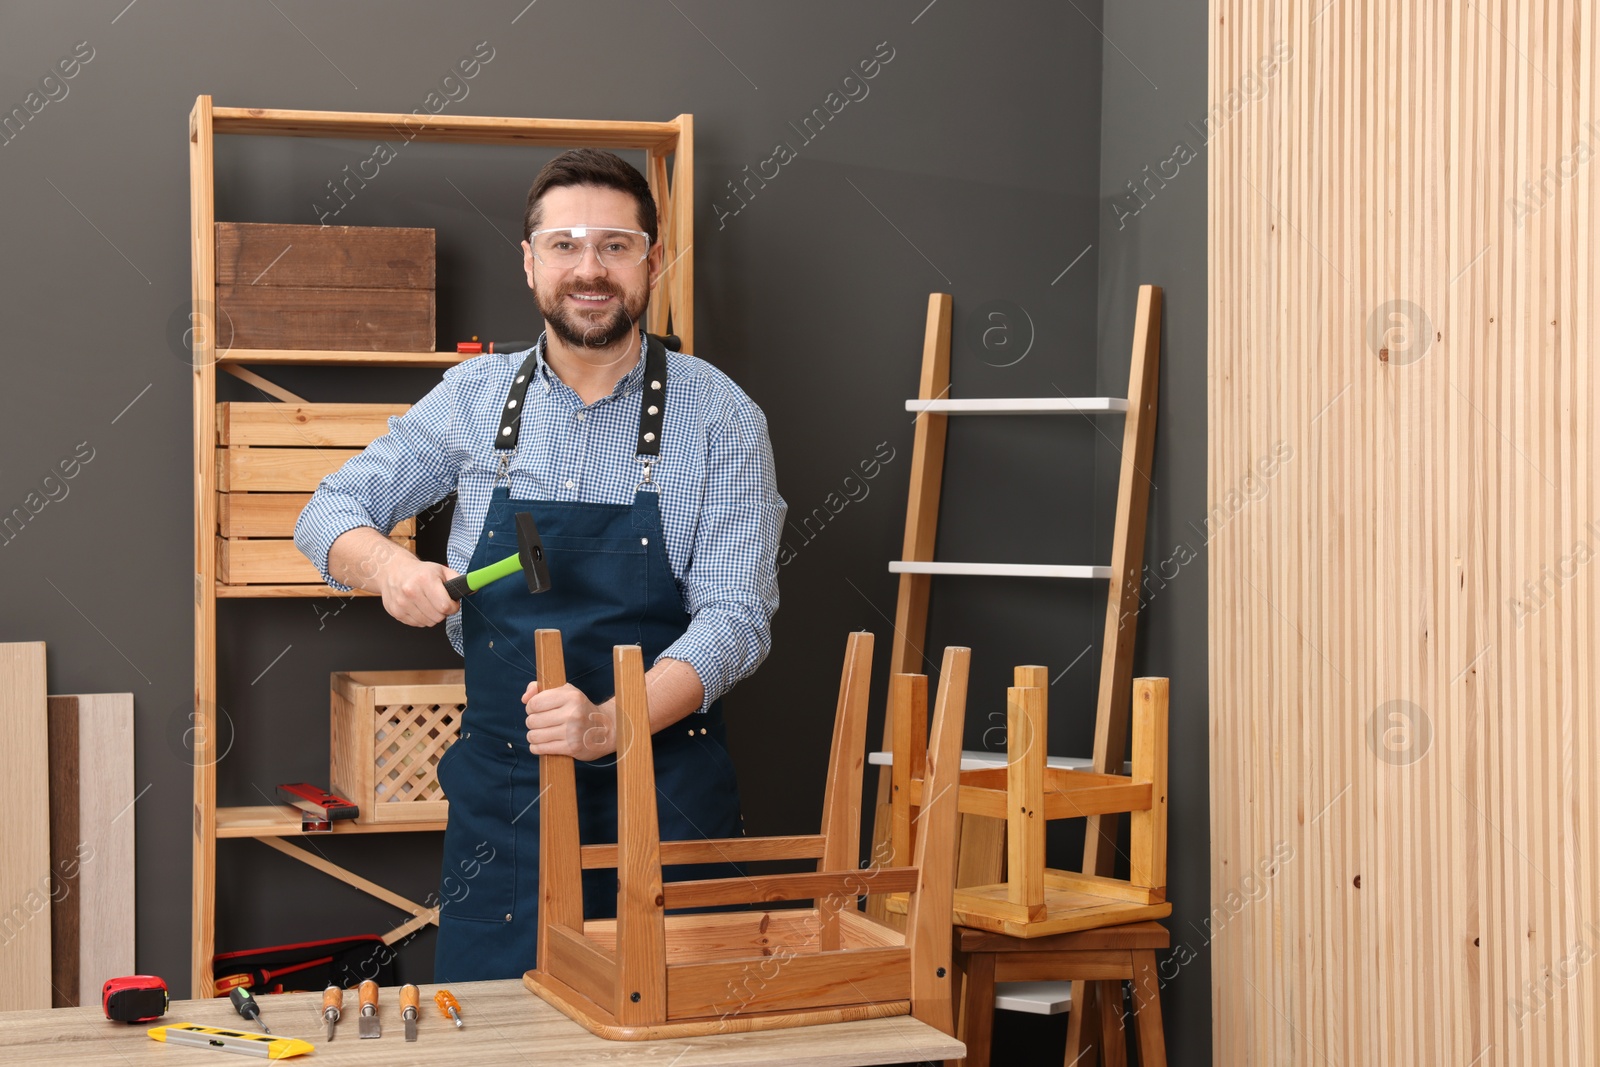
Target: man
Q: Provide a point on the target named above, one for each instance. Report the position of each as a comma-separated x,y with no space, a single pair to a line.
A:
649,476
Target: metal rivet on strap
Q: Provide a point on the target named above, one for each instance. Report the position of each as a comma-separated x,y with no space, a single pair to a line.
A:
654,410
505,431
511,403
655,384
649,437
521,378
702,729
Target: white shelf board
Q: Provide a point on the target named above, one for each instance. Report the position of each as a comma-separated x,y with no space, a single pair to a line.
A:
1036,998
1028,405
977,760
1003,570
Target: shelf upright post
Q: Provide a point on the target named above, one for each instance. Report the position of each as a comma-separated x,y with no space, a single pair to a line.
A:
202,728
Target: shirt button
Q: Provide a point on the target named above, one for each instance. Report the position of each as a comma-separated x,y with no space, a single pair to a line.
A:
580,416
571,484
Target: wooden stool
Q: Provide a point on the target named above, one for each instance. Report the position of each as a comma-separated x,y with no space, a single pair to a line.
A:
646,975
1104,958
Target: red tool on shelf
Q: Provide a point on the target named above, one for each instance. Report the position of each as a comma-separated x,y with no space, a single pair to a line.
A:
318,807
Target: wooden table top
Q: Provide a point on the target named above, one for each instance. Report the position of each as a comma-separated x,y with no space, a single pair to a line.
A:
505,1024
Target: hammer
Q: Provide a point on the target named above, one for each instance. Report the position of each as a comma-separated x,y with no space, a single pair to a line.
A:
529,559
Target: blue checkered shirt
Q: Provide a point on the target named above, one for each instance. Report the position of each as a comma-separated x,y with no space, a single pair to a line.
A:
718,492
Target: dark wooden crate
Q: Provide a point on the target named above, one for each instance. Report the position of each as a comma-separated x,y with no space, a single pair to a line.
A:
356,288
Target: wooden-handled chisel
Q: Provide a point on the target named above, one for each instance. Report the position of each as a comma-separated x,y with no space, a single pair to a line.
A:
410,998
332,1006
370,1027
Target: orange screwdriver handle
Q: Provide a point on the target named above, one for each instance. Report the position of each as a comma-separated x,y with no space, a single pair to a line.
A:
446,1002
369,996
332,1002
410,998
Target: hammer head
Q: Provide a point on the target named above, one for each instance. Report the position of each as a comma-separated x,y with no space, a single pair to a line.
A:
531,550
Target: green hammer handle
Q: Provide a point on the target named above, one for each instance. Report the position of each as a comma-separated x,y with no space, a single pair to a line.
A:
464,585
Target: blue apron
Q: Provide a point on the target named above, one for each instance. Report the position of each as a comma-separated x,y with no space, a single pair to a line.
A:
611,584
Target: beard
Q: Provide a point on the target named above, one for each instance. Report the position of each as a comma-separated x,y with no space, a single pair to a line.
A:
592,329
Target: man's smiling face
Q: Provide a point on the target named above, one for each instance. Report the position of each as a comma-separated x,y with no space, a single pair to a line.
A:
590,305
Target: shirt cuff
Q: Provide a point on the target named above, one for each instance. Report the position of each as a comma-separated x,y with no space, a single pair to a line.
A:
704,661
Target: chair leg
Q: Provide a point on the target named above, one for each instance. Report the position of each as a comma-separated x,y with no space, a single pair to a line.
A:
1147,1003
1113,1035
1082,1027
977,1009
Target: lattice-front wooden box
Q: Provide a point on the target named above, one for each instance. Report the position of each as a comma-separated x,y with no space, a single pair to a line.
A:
389,730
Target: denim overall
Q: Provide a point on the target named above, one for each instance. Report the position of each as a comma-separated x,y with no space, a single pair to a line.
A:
611,584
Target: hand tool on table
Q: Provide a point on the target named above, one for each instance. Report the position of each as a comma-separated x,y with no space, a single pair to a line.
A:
246,1006
134,998
529,559
409,999
448,1007
225,1040
318,807
332,1006
370,1027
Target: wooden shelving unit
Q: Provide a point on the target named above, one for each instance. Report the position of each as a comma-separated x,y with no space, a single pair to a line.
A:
672,308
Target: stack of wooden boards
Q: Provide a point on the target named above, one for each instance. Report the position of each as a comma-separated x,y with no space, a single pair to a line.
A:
67,861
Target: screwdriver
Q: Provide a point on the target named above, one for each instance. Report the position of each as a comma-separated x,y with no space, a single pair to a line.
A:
408,1009
332,1006
448,1006
247,1006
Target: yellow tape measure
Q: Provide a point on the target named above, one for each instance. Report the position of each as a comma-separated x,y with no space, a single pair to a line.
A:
264,1045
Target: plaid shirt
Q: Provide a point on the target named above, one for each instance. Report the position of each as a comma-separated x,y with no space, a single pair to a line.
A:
718,492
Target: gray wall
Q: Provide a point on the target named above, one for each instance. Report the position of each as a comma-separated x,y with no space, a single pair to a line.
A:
1154,88
972,166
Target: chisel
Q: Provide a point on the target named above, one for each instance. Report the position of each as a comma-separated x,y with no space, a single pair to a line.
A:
332,1006
370,1027
409,999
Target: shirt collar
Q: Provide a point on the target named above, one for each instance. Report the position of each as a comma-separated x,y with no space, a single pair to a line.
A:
549,379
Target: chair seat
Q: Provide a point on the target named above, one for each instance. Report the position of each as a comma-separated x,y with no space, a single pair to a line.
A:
984,907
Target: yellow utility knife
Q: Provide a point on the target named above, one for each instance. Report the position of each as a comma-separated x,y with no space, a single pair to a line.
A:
223,1040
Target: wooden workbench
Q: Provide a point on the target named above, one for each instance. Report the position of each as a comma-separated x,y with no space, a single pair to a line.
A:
505,1024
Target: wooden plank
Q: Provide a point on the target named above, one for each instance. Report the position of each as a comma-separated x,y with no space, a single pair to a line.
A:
770,888
1102,886
710,990
271,560
560,869
680,268
318,425
271,388
366,885
718,850
1127,565
928,914
448,129
641,993
27,879
284,255
1066,911
376,320
841,801
582,964
274,515
1093,965
721,935
280,820
241,470
1121,794
1140,935
92,843
1147,829
1147,1010
341,357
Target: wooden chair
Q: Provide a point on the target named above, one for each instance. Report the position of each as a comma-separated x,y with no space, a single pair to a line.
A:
649,975
1038,904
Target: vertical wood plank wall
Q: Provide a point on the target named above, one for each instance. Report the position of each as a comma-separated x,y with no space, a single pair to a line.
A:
1403,589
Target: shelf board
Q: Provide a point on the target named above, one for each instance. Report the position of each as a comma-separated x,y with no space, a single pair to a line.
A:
275,820
340,358
1003,570
235,591
455,129
1031,405
979,759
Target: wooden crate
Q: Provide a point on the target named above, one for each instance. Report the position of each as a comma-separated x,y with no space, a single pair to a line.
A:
389,729
354,288
270,457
